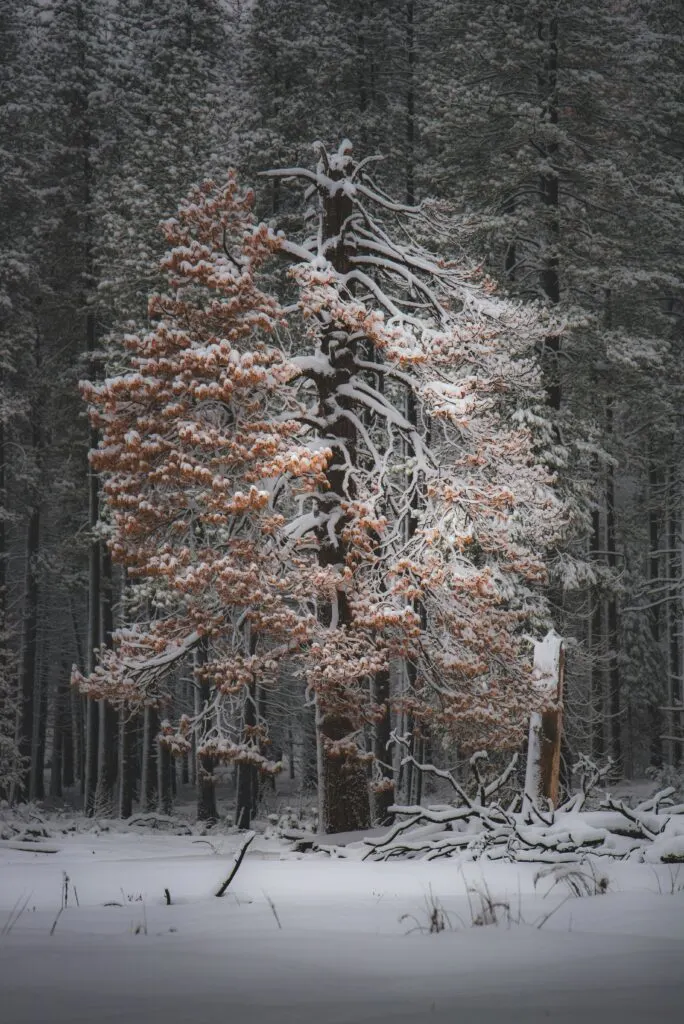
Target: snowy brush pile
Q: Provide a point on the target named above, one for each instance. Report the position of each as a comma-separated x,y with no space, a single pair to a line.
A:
476,828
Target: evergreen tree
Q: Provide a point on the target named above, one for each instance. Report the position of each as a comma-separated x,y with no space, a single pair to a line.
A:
334,470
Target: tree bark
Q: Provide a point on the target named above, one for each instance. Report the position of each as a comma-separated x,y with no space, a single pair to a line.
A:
148,781
612,623
164,770
596,646
61,712
29,653
246,788
655,714
410,104
206,780
383,796
674,620
344,791
127,763
68,758
108,718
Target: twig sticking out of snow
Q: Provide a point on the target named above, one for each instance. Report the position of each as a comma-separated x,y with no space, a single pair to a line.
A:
15,913
237,861
273,909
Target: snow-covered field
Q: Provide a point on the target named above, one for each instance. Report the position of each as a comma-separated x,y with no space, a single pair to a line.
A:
312,938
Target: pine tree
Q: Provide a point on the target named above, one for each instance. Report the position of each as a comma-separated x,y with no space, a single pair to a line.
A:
388,319
247,489
187,437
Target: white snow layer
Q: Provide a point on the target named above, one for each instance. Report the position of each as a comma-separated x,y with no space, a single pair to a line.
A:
547,655
339,951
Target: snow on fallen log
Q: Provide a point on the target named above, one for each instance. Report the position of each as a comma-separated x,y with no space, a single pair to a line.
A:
8,844
652,830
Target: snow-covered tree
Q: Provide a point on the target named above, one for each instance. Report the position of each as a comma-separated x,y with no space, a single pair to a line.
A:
382,495
188,438
439,508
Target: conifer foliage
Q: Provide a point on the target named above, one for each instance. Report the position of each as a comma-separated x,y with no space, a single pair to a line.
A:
187,435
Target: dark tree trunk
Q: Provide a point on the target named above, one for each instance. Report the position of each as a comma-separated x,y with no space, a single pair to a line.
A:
60,742
383,796
108,718
597,675
343,788
655,714
407,780
206,763
94,604
674,620
148,782
612,612
290,751
29,680
410,105
206,789
547,80
69,729
264,783
128,733
77,757
29,657
164,772
246,789
41,710
92,713
56,759
309,767
3,529
550,196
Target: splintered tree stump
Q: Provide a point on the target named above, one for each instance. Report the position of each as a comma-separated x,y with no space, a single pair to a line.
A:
542,776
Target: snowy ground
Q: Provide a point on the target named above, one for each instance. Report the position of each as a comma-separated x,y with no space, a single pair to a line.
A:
338,951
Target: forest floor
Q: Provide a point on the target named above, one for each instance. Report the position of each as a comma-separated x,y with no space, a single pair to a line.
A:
314,939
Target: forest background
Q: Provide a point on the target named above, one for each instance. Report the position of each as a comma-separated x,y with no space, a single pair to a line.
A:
551,131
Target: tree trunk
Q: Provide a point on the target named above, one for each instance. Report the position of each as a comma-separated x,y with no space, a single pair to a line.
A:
108,718
655,714
148,781
41,706
206,780
345,800
59,738
69,728
94,603
309,766
29,653
410,104
674,621
612,612
126,768
246,789
164,770
91,746
77,767
547,79
290,751
542,775
596,648
383,793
